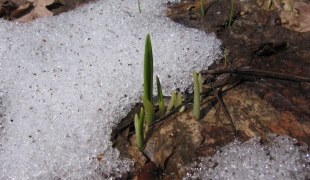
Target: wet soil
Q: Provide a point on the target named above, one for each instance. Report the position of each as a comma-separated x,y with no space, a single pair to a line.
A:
255,104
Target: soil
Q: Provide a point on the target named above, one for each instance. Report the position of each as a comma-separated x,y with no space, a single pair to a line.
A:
257,105
261,86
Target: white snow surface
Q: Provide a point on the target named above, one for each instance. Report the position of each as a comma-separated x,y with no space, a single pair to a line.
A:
281,158
65,81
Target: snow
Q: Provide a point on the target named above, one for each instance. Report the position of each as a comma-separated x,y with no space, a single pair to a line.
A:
281,158
67,80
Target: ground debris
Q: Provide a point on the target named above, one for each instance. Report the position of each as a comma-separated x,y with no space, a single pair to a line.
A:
236,111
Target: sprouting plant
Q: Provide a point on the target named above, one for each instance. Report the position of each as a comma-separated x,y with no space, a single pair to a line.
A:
161,111
139,6
175,101
226,53
178,100
231,13
147,98
197,91
202,8
269,4
148,70
147,114
171,103
138,122
292,5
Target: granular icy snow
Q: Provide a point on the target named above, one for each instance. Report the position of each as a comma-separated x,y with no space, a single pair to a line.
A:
65,81
282,158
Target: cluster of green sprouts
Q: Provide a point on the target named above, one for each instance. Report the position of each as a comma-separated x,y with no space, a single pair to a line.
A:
147,113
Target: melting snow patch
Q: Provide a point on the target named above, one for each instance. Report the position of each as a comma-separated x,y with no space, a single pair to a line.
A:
281,158
65,82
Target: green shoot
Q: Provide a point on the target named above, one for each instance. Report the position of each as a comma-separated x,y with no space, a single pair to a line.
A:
231,13
178,100
148,70
200,83
226,52
197,99
141,117
175,101
172,100
202,8
149,112
182,109
147,98
139,6
269,4
138,121
161,111
292,5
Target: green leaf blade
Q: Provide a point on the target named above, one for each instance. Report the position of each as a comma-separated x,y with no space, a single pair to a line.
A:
196,108
149,112
202,8
148,69
161,111
172,100
139,131
139,7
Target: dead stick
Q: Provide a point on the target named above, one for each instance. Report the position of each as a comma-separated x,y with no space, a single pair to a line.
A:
226,113
216,93
259,73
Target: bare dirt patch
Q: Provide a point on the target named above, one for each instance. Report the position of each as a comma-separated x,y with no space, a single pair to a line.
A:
259,39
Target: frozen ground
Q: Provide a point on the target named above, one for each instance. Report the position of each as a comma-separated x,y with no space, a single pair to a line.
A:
65,81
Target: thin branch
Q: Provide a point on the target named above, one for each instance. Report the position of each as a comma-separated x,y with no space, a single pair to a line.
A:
219,99
259,73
